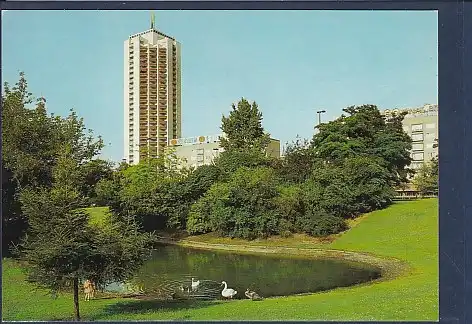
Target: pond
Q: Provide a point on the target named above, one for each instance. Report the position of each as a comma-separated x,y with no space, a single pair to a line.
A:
171,269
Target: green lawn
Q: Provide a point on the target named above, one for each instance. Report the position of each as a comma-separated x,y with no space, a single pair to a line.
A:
407,231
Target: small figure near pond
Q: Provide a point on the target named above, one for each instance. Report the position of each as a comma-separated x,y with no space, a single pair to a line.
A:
228,292
252,295
89,289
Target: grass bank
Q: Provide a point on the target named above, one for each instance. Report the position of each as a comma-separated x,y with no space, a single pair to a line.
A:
407,231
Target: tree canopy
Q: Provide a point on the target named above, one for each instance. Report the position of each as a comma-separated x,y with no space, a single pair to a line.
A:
243,129
64,248
32,142
49,172
365,132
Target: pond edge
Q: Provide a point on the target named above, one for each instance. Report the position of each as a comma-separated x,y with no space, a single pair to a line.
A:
390,268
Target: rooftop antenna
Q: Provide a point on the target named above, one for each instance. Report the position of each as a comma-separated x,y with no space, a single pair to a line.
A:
153,20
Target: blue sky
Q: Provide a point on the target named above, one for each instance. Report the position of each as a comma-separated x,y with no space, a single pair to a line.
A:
292,63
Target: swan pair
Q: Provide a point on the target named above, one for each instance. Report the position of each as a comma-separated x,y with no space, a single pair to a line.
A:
194,286
228,292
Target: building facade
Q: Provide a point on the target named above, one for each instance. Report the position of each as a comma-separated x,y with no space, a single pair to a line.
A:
152,94
422,126
202,150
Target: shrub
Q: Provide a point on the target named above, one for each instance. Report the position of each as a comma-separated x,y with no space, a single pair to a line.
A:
317,222
243,207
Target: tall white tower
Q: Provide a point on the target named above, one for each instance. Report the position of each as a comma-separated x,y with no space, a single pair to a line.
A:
152,93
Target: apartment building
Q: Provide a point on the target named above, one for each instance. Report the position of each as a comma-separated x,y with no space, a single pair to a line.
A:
422,125
152,93
202,150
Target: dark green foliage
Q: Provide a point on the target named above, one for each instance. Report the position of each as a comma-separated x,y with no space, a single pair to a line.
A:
243,207
298,162
359,185
243,128
317,222
32,142
188,191
290,206
107,191
229,161
92,172
365,132
61,246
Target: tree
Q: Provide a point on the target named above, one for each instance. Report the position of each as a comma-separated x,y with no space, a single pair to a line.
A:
359,185
297,164
229,161
243,128
92,172
31,143
64,248
426,178
243,207
149,191
365,132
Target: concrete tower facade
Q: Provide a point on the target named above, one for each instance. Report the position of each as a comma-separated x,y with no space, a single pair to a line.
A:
152,94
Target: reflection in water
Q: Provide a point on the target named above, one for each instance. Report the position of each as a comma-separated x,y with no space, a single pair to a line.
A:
170,271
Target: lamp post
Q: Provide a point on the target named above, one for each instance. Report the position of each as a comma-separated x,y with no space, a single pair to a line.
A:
319,112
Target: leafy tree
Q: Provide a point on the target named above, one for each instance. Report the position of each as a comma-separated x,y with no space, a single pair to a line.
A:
229,161
298,162
359,185
64,248
365,132
31,144
243,207
186,192
107,191
150,191
92,172
426,178
243,128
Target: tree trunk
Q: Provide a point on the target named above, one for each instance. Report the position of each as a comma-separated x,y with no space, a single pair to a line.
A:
76,299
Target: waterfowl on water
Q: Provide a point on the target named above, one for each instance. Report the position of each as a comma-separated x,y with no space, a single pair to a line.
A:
252,295
182,289
227,292
195,284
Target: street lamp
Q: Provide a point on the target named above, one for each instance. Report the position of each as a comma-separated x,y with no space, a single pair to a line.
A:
319,112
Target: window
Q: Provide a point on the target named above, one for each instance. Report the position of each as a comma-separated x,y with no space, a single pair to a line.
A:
417,128
431,126
417,146
419,156
417,137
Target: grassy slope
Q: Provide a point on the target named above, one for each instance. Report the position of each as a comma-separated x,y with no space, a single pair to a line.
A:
408,231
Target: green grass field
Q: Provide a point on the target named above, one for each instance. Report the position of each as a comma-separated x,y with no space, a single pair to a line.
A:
407,231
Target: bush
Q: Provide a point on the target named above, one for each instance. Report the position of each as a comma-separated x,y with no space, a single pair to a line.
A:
359,185
317,222
243,207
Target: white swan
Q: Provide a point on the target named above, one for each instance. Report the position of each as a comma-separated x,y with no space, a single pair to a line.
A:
195,284
227,292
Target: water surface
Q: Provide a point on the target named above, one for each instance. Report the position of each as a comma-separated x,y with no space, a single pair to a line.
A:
171,268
